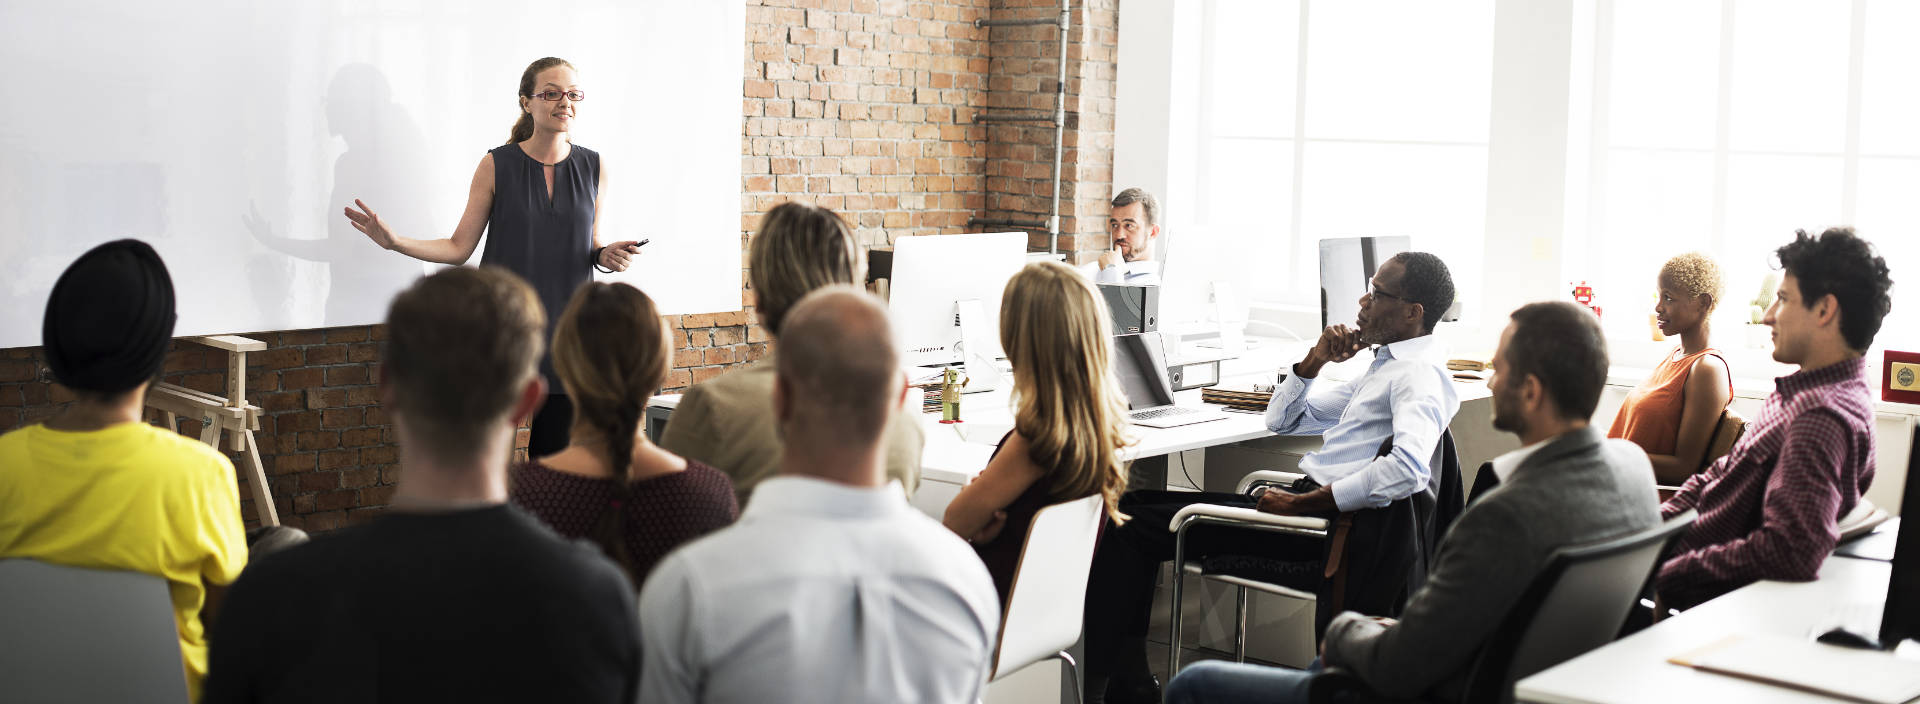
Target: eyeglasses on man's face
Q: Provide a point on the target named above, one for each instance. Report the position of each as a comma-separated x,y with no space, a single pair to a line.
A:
1377,293
553,96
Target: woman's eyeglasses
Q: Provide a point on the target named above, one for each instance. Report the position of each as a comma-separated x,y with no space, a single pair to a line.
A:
553,96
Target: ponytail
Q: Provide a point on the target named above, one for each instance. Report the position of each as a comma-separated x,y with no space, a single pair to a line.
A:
611,353
610,529
522,128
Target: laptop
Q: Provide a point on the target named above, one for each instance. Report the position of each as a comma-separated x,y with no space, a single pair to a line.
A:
1141,364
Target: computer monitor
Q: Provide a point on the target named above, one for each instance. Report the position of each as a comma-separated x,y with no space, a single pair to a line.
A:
1346,265
1901,618
932,274
1141,364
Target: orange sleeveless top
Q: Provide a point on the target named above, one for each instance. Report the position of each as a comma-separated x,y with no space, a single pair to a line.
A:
1650,417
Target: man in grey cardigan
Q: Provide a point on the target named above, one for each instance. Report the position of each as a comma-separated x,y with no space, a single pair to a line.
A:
1568,485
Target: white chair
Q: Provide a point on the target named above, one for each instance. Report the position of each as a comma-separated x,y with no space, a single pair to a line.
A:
72,634
1049,592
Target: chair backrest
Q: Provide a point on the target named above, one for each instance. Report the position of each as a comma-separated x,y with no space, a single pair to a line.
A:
73,634
1049,592
1574,605
1726,432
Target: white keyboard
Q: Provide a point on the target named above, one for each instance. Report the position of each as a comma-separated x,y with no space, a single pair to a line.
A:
1161,412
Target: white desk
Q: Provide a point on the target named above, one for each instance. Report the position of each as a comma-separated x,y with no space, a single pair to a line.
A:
1635,669
954,453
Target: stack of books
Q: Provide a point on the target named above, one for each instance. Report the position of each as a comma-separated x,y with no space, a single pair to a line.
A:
1239,397
930,403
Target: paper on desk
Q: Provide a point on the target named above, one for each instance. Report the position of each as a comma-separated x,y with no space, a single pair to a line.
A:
1849,673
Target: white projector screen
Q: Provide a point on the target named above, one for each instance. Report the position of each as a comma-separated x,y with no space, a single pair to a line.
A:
230,135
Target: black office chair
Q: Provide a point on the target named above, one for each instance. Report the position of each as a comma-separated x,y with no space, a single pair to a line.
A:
1400,539
1575,605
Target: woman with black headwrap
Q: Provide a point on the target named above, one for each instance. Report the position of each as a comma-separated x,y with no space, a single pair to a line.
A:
537,199
96,487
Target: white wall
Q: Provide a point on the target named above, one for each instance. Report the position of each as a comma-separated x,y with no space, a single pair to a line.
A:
231,135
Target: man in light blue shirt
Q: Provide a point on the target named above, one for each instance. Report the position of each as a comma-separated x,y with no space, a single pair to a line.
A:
1380,432
1406,394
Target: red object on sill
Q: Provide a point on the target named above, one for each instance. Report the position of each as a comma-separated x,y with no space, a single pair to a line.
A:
1887,392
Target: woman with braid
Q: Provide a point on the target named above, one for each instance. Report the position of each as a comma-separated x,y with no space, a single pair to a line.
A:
611,351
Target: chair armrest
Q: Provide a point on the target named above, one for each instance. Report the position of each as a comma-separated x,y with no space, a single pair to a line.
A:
1266,476
1233,515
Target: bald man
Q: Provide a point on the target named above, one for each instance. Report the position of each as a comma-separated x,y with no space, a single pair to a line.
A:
830,588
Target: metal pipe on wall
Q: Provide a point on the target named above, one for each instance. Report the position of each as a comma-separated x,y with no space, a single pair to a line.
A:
1065,21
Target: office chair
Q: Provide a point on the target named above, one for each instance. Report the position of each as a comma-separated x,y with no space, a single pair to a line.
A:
1726,432
1575,604
1048,597
1370,581
74,634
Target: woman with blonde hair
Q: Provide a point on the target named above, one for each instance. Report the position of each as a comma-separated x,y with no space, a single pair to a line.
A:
612,350
1070,419
728,421
1672,415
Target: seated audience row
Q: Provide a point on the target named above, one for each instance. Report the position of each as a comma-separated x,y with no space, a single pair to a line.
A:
479,582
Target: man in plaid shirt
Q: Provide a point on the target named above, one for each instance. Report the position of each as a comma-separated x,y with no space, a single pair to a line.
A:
1770,508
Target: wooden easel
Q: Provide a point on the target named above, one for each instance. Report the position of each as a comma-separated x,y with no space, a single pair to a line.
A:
231,413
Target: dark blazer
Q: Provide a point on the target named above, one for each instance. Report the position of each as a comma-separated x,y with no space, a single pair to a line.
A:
1579,488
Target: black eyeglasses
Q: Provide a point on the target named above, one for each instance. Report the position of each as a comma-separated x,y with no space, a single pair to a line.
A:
553,96
1375,292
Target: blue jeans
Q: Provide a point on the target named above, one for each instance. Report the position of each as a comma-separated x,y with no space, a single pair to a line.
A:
1223,682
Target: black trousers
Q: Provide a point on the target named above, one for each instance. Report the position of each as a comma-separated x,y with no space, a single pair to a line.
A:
1120,587
551,426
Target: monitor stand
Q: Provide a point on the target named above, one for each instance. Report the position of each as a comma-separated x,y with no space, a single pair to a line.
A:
982,371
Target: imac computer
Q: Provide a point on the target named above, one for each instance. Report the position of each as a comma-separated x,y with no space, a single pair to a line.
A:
1346,265
1900,618
935,277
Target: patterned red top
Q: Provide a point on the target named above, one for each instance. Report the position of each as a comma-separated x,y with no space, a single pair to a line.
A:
662,512
1770,509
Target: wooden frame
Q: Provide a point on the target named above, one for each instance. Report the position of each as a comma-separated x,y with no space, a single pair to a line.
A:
231,413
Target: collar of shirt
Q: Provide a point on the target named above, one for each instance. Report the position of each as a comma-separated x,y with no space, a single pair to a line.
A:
1425,348
1807,379
1504,465
791,495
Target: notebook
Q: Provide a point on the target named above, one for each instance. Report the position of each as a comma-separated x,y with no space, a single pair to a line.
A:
1860,675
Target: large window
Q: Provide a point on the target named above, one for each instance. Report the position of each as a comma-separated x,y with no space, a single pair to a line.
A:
1333,119
1723,126
1712,125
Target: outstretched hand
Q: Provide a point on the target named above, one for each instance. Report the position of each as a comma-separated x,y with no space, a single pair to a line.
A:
619,255
369,222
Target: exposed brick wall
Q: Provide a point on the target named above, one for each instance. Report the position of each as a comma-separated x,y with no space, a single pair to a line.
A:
1022,78
863,106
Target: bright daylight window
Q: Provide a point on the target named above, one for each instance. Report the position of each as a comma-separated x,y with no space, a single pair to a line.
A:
1348,138
1723,126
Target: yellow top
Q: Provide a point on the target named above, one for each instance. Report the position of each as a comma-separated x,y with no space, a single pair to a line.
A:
131,497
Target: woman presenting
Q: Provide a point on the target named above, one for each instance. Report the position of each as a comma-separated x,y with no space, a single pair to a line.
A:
536,196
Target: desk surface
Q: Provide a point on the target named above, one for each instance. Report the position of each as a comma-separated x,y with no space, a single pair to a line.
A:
954,453
1635,668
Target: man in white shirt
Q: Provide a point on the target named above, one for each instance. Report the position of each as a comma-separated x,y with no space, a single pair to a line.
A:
1402,403
1568,485
1133,225
831,588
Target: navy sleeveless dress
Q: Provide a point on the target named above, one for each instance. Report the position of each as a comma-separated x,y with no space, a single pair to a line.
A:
548,241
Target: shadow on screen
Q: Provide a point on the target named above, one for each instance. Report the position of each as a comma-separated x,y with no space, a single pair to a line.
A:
382,166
